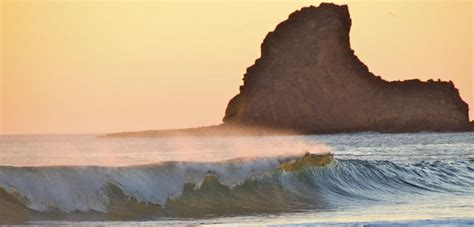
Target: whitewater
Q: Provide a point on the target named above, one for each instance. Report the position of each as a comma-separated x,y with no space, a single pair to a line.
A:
370,178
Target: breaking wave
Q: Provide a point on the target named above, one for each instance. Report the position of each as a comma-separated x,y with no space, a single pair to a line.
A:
233,187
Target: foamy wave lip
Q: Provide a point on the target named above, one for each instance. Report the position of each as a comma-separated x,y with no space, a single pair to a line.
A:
84,188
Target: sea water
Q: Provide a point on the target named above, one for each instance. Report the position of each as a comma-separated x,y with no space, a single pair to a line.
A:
420,178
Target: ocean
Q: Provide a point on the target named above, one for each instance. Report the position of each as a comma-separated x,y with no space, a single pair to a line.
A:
406,179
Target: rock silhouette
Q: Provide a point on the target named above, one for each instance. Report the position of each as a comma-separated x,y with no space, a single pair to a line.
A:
309,80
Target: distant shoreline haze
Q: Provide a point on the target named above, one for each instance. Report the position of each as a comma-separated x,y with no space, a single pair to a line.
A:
100,67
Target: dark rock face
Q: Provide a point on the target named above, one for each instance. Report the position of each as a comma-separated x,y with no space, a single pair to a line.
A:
309,80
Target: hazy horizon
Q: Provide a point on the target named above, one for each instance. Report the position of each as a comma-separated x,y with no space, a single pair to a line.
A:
98,67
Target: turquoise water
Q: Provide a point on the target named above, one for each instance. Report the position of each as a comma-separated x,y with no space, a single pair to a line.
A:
413,179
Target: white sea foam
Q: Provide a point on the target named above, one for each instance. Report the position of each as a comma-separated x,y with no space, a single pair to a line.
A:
84,188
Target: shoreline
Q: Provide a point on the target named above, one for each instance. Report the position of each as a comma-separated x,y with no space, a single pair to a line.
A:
224,130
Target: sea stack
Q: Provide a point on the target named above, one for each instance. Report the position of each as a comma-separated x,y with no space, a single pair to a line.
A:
309,80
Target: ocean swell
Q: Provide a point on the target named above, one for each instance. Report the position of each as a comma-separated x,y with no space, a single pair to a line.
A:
238,186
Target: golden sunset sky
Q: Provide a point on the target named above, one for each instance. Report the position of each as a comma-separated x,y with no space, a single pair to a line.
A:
103,66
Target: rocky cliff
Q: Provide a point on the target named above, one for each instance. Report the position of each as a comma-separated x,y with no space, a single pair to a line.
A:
309,80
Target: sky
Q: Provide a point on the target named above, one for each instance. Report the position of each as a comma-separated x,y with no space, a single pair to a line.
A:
104,66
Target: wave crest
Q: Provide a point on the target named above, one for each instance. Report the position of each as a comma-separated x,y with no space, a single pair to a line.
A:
239,186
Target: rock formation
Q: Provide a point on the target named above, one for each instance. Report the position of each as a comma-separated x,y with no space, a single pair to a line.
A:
309,80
